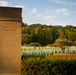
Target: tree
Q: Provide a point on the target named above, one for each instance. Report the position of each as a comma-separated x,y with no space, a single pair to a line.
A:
63,42
26,39
41,36
45,34
24,24
74,43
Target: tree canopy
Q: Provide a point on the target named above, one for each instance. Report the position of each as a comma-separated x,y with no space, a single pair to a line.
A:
45,34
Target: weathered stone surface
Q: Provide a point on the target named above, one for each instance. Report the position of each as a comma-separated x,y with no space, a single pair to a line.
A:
14,73
10,13
10,41
10,27
10,52
10,65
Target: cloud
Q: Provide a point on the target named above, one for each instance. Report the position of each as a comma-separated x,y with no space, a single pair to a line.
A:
64,11
33,16
56,12
20,6
34,10
4,3
49,11
46,18
64,2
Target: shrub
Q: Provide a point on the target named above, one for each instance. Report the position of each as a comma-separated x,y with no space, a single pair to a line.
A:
74,43
35,44
37,66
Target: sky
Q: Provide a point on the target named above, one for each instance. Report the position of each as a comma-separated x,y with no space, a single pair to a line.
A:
49,12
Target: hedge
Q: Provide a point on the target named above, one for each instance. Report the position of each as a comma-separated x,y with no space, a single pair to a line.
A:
37,66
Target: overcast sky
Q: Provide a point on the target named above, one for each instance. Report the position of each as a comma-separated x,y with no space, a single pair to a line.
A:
50,12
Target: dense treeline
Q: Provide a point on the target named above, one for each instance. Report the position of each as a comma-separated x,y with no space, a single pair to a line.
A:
45,34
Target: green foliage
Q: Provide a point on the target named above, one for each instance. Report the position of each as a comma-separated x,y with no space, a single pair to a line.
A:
26,38
37,66
74,43
63,42
24,24
45,34
35,44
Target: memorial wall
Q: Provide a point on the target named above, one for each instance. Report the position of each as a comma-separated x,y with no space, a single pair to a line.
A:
10,40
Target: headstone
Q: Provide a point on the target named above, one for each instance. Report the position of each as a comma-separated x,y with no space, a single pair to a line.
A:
10,40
